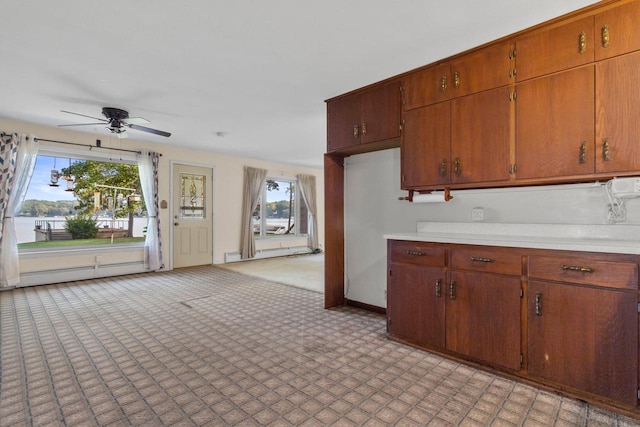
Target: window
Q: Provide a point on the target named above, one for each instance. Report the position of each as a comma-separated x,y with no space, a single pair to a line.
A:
73,201
281,211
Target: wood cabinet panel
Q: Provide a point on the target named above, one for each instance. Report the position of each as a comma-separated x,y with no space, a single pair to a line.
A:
556,49
343,121
426,146
617,124
427,86
401,251
584,338
480,137
620,26
486,260
484,69
554,121
585,270
415,306
381,113
477,307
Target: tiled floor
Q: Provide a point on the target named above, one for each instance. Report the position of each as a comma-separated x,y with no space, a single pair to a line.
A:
207,346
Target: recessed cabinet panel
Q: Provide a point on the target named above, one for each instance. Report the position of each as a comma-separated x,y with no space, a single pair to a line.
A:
416,253
426,146
415,304
427,86
343,121
584,338
483,317
487,68
487,260
617,113
480,137
556,49
617,30
555,125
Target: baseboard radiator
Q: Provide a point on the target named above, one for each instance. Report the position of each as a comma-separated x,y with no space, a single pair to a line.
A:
46,277
268,253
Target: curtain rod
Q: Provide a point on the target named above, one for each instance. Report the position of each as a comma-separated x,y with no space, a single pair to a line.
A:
90,146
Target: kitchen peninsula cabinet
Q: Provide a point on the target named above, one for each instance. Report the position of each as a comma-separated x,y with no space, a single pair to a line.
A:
365,117
583,324
563,319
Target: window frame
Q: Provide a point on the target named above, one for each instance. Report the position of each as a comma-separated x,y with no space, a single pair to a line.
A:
296,216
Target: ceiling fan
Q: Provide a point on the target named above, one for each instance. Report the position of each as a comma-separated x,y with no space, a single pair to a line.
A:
118,121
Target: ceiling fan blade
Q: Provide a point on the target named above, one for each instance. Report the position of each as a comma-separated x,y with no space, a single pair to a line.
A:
83,124
146,129
135,121
84,115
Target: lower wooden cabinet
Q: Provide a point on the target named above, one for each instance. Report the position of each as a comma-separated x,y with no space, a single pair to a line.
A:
565,320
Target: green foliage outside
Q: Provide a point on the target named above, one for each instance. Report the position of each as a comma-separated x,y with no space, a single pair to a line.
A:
81,227
40,208
79,242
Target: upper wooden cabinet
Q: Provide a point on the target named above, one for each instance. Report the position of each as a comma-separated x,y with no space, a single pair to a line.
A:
364,117
556,49
617,30
555,126
483,69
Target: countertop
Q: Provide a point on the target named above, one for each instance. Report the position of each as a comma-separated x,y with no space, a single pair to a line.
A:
615,238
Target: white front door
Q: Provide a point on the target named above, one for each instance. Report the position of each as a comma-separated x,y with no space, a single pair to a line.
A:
192,216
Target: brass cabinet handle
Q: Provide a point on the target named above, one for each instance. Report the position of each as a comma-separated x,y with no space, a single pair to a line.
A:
538,304
443,83
577,268
481,259
456,80
443,167
582,42
364,129
438,288
452,290
416,253
605,150
456,166
355,131
583,152
605,36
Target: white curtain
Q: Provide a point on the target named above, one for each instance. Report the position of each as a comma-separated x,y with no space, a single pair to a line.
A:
148,171
17,160
308,189
254,182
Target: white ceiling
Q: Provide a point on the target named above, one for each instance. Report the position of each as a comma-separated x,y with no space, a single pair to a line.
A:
259,71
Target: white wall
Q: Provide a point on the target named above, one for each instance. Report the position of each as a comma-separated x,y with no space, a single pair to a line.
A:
227,178
372,209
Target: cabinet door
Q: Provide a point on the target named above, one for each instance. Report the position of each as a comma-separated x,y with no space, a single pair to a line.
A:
480,137
617,30
427,86
555,125
343,122
484,69
617,112
483,317
556,49
585,338
415,306
426,146
381,113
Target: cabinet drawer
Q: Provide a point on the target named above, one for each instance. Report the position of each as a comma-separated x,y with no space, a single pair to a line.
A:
486,260
588,271
416,253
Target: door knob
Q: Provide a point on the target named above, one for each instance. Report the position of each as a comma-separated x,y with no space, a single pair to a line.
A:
176,224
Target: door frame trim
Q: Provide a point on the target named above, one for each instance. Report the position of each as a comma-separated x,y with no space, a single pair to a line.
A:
210,193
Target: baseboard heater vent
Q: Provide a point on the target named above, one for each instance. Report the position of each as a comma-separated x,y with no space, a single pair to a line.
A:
46,277
269,253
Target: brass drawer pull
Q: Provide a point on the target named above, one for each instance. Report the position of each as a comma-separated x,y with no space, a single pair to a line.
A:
452,290
481,259
577,268
438,288
416,253
538,304
605,36
582,42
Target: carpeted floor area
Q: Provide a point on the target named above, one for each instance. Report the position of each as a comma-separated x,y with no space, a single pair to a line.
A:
206,346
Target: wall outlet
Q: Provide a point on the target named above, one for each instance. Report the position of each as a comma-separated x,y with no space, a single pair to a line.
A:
616,213
477,214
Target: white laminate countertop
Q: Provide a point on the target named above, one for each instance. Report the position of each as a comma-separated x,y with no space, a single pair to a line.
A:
615,238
